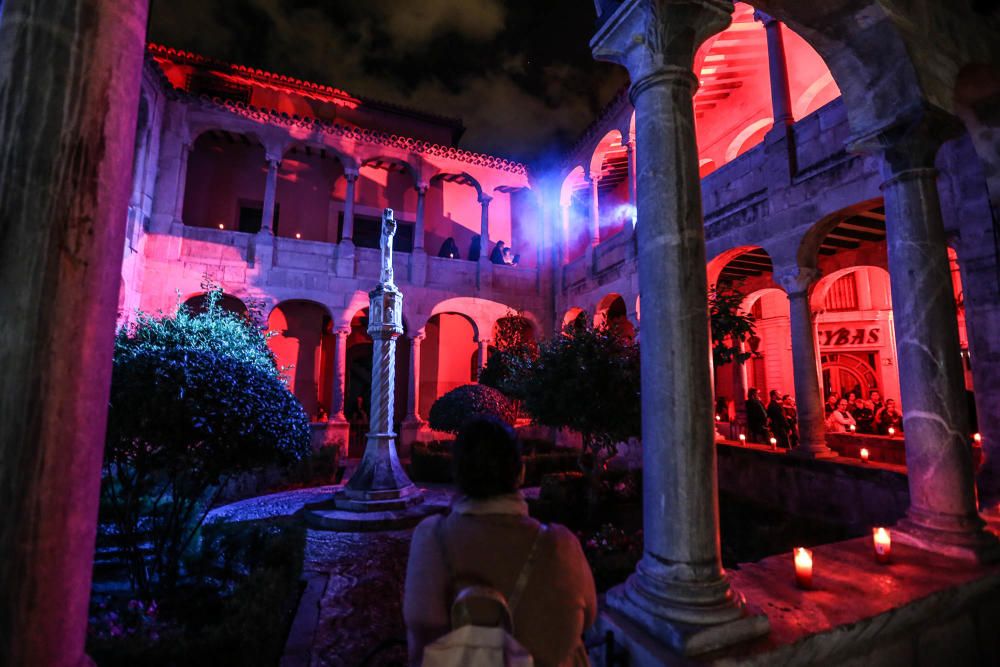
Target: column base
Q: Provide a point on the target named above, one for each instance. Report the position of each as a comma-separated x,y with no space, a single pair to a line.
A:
956,537
726,623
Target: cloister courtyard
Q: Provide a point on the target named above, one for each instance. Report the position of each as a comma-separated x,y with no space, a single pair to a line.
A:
727,273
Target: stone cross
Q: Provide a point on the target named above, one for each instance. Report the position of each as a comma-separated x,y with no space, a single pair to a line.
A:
385,245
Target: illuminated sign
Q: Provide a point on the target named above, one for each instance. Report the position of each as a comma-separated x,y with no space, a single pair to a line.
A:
845,336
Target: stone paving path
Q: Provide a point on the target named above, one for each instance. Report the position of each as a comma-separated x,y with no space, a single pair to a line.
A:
351,610
355,580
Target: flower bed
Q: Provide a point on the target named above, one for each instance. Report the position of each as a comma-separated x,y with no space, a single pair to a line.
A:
234,607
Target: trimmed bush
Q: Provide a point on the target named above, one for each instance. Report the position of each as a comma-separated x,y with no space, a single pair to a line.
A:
196,399
460,404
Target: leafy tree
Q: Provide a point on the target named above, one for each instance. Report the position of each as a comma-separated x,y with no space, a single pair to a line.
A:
587,380
450,411
509,365
196,398
730,325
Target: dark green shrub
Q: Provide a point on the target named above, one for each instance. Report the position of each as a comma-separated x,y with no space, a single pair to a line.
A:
195,400
450,411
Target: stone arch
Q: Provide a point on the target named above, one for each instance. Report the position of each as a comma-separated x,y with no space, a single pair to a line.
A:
612,312
570,315
391,163
226,177
812,241
302,346
448,355
748,137
228,302
611,140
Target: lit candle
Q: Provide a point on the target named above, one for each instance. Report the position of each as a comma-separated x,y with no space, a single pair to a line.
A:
297,235
803,567
718,418
774,443
892,431
221,226
853,428
882,543
743,439
864,455
977,438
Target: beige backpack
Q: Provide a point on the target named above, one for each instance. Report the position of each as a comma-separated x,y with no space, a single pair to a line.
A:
482,621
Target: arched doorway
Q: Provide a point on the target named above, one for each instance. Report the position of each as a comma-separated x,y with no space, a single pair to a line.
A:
358,382
448,357
229,303
302,332
612,313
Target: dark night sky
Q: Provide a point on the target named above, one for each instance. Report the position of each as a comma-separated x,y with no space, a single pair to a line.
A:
518,72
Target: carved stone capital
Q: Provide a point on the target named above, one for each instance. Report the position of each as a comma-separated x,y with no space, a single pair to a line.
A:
422,188
485,199
797,280
273,161
656,40
351,174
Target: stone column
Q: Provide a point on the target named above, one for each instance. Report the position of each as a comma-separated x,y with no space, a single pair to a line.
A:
798,283
270,194
483,353
418,228
943,512
595,210
679,593
484,228
379,495
777,66
630,156
337,390
348,234
563,239
69,92
413,389
182,165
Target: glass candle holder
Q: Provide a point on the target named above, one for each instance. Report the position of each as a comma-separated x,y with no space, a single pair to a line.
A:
864,454
882,544
803,559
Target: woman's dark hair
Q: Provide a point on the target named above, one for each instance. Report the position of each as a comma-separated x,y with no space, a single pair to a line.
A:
486,458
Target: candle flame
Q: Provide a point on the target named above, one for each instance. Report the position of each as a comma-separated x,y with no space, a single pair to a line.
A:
864,454
977,437
803,558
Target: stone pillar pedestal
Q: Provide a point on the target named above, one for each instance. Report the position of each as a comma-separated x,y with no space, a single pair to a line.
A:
798,284
379,495
412,423
345,249
679,594
943,513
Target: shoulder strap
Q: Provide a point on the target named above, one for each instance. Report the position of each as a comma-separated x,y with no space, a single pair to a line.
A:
522,578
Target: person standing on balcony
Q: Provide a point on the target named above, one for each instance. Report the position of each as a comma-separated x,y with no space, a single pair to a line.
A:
756,418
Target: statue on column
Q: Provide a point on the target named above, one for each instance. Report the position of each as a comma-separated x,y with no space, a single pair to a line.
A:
385,245
379,495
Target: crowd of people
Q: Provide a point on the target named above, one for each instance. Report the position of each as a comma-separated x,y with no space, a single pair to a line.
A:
778,419
871,416
500,254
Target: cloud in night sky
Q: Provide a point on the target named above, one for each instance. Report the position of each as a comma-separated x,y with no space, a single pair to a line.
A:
518,72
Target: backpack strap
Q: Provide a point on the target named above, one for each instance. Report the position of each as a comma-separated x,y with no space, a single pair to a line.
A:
445,558
522,578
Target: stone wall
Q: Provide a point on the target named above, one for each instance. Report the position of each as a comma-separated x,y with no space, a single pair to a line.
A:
837,490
